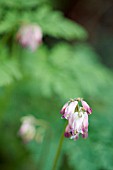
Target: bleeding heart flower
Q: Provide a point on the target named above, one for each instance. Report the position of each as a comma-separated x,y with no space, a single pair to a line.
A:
77,117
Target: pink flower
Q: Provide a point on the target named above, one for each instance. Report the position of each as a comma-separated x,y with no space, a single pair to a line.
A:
86,107
78,123
30,36
68,109
77,117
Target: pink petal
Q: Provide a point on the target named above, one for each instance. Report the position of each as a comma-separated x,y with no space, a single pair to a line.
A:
86,107
63,108
70,109
85,135
85,121
67,131
76,136
67,134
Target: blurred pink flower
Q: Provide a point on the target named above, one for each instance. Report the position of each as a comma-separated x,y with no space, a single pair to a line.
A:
27,130
33,129
30,36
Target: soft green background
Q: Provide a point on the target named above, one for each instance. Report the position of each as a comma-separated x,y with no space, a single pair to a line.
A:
38,83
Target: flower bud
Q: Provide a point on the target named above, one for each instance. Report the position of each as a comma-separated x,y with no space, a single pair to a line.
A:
29,36
68,109
27,130
86,107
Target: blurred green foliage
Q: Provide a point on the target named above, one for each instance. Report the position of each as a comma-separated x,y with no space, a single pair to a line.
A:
40,82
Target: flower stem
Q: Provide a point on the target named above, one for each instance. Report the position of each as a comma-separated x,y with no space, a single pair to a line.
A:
58,150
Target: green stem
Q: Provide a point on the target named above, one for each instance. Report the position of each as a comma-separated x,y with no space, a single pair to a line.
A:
58,150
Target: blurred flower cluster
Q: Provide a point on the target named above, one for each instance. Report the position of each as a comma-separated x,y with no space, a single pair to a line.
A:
76,112
29,36
32,128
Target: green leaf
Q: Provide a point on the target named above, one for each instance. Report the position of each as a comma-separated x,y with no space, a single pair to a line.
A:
9,22
53,23
9,71
21,3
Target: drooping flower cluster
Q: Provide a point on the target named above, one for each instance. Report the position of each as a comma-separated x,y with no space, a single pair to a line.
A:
30,36
32,129
76,112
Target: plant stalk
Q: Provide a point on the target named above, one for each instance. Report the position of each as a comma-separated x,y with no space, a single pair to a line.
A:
58,150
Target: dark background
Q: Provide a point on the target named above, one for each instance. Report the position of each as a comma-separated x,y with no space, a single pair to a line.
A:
96,17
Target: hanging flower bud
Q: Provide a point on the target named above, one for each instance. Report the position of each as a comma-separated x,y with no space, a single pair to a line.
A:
30,36
68,109
86,107
77,117
64,108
